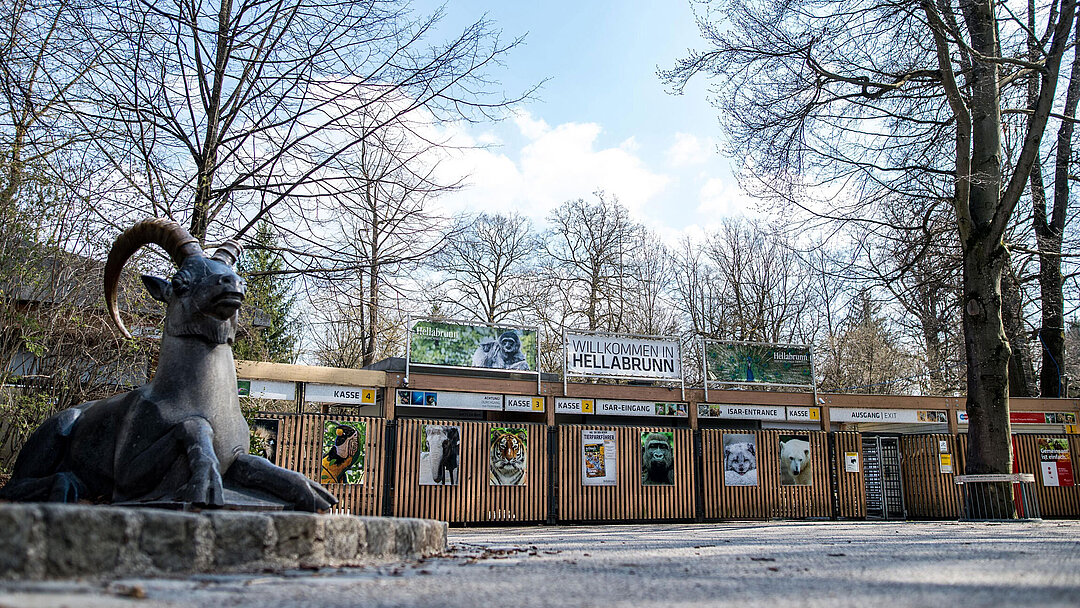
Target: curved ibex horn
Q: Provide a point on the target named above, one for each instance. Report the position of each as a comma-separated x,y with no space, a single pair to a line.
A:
228,252
170,236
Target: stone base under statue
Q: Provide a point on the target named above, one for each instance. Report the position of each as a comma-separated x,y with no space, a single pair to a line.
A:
45,540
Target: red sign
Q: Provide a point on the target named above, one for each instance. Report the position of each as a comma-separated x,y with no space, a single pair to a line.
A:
1027,417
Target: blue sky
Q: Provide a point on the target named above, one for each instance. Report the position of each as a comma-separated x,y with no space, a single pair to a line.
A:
602,120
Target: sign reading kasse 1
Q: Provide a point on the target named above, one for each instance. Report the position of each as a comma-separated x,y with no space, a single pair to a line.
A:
623,357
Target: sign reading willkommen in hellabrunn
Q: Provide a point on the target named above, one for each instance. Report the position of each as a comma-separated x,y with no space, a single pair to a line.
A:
343,452
457,344
440,454
507,456
605,355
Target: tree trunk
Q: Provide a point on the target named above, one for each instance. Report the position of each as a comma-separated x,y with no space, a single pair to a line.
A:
1049,235
1022,380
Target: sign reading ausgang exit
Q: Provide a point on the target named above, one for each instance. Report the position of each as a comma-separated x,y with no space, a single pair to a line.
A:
336,393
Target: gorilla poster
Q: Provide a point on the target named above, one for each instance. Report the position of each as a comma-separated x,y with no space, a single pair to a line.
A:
449,344
658,458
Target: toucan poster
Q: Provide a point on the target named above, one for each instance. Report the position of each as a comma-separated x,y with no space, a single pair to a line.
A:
343,452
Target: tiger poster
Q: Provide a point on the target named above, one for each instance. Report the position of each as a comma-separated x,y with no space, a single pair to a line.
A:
343,452
508,450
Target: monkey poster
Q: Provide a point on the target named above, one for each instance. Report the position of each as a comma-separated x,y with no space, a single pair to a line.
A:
451,344
343,452
440,455
658,458
795,461
599,458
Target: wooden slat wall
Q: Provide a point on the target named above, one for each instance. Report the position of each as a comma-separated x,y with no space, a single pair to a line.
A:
851,487
473,499
1059,501
928,493
628,500
768,499
300,449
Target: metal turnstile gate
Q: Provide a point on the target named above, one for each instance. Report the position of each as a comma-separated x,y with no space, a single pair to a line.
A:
881,472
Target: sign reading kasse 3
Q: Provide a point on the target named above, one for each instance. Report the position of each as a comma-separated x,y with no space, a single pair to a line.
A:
623,357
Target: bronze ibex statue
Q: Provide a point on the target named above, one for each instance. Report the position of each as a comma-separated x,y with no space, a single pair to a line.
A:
180,438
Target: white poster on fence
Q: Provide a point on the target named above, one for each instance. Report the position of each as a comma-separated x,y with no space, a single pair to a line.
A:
623,357
598,458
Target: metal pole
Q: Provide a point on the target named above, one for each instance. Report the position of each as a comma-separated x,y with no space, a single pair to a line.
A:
408,346
704,369
564,362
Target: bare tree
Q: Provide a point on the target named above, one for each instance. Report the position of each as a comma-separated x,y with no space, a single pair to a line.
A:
590,246
490,269
224,111
1050,229
858,102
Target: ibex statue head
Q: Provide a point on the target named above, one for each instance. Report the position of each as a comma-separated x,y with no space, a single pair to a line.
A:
203,298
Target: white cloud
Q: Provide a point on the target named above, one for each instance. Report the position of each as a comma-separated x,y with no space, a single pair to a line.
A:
555,164
689,149
722,198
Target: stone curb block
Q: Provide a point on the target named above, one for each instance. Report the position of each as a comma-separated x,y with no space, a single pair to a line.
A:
43,541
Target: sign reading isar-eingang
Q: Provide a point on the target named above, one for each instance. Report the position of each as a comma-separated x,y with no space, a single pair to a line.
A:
623,357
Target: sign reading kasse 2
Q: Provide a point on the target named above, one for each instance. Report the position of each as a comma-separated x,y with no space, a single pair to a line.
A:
623,357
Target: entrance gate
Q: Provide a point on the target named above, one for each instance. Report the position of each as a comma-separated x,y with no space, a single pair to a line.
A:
884,485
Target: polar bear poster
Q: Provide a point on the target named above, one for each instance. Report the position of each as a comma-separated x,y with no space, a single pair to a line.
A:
795,469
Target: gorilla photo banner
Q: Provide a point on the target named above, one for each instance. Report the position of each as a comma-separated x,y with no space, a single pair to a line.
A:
459,344
753,363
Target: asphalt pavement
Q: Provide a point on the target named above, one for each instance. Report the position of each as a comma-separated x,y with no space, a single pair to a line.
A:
774,564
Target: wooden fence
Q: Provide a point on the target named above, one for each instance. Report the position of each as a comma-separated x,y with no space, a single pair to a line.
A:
850,485
770,498
300,448
929,493
1054,501
473,499
629,499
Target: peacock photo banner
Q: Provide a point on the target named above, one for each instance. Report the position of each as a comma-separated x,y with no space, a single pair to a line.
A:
755,363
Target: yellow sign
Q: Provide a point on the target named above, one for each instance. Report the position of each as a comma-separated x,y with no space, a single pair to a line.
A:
587,406
1072,429
367,396
945,463
815,413
538,404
